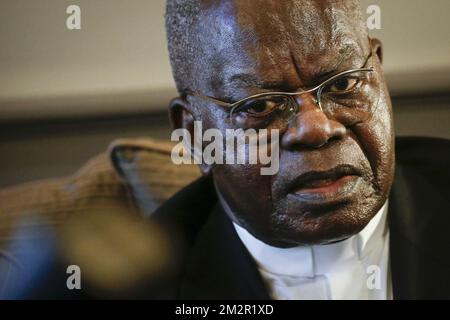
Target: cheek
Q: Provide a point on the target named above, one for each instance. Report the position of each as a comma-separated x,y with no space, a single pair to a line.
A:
376,139
245,190
243,187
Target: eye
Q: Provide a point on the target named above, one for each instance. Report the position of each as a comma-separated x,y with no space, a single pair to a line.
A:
264,105
343,84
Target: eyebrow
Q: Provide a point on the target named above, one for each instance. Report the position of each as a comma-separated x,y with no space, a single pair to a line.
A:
250,80
347,52
243,78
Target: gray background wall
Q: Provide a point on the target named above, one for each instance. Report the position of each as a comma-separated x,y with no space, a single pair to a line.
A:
65,94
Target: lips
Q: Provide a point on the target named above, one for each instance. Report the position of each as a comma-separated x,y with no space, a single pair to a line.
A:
326,185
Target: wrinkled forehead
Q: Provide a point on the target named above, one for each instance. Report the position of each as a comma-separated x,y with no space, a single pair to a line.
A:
269,37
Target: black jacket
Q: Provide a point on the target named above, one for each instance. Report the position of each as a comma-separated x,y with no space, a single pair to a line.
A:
216,265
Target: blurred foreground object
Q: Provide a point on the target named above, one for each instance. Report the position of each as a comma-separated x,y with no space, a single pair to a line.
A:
93,219
119,254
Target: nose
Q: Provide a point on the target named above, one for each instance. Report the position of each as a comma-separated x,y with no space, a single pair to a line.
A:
311,127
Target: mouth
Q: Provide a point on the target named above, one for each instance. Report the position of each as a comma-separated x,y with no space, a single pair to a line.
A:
326,186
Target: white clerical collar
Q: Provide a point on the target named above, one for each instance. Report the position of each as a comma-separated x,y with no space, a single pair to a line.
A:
309,261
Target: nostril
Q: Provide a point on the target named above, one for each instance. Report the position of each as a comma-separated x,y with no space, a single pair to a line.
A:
334,138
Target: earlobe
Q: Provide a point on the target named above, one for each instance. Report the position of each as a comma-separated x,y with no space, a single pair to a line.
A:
377,47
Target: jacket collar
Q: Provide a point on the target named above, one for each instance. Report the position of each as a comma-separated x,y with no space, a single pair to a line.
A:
219,266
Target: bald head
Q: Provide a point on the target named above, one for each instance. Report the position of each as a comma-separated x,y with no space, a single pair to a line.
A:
181,20
203,34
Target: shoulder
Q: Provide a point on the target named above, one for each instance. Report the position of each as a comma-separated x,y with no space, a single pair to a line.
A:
93,183
419,202
135,173
427,158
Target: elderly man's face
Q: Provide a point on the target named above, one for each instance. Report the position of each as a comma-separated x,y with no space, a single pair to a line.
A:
336,165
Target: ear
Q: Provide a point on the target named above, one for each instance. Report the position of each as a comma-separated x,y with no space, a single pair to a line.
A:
377,46
181,115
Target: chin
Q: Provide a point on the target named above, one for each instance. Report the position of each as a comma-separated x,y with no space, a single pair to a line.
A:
320,226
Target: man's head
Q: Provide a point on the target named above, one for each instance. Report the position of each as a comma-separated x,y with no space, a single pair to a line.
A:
336,163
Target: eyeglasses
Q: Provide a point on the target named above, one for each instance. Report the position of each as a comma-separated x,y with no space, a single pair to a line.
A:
347,89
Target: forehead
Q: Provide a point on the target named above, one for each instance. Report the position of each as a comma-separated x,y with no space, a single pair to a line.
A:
280,41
